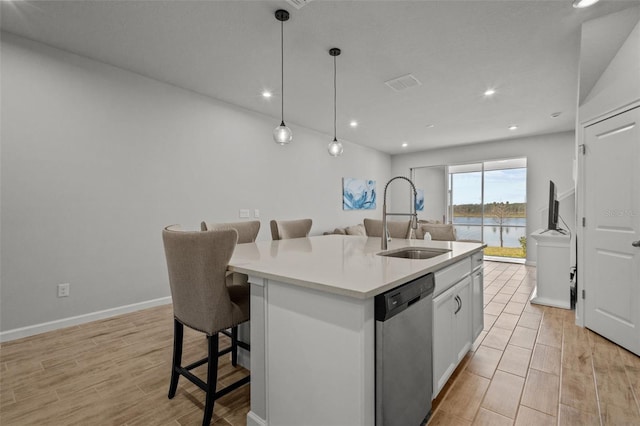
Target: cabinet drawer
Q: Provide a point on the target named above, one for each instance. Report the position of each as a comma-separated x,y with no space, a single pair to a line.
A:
476,260
450,275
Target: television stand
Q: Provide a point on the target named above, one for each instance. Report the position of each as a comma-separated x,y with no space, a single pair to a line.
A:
552,266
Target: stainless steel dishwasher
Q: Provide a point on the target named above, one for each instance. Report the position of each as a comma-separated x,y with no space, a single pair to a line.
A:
403,354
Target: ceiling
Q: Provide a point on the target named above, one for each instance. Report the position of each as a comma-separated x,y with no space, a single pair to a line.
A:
528,51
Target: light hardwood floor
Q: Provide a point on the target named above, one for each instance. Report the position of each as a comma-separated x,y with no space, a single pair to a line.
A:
533,366
530,366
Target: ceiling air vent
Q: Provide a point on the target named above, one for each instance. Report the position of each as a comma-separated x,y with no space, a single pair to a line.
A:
404,82
298,3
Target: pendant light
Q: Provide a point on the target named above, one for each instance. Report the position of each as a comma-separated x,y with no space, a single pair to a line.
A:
335,148
282,134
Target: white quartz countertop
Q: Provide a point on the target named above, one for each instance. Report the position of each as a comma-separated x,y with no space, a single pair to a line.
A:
342,264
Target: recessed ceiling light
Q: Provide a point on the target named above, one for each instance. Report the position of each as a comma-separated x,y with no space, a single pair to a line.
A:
555,114
430,126
404,144
266,94
353,123
513,127
579,4
489,92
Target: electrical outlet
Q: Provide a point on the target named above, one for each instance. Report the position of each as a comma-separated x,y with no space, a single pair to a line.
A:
256,213
63,290
244,213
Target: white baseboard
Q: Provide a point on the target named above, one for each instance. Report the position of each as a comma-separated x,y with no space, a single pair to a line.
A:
530,263
254,420
32,330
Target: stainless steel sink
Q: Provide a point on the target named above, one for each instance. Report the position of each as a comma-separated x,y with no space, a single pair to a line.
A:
414,252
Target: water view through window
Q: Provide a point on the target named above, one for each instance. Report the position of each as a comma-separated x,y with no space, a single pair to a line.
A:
487,202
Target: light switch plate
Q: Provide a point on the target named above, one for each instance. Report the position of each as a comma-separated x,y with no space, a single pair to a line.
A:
256,213
244,213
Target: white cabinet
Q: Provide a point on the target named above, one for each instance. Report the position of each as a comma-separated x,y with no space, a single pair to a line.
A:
462,319
443,360
477,295
458,315
477,301
452,311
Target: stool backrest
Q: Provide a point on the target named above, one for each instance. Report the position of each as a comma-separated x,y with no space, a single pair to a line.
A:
197,264
285,229
397,229
247,231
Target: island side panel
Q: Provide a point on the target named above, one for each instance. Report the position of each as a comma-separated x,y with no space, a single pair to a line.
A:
319,357
258,414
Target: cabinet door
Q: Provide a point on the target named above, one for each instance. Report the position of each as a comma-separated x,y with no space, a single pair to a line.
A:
462,319
443,358
477,296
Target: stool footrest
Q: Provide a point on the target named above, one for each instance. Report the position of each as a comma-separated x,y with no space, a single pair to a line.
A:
203,385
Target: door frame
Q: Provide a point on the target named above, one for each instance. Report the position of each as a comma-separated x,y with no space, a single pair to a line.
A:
580,207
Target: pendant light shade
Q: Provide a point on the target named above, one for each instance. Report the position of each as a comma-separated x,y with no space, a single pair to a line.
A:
282,134
335,148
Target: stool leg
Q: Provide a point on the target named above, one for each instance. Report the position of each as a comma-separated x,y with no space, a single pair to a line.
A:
212,378
234,346
178,333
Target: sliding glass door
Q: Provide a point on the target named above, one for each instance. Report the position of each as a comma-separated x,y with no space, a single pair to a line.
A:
465,201
505,192
488,203
485,201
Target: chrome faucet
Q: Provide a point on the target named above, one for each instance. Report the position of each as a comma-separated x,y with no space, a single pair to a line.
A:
414,216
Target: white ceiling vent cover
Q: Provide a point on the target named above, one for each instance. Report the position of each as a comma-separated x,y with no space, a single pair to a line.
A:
298,3
404,82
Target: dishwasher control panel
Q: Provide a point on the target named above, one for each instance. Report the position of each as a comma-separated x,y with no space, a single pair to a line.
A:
400,298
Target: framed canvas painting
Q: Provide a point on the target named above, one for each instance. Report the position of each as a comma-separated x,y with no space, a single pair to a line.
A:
420,200
358,194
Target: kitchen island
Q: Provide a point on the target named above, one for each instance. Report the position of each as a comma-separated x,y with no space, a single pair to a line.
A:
312,321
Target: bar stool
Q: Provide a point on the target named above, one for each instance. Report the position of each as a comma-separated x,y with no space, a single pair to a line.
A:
197,264
285,229
397,229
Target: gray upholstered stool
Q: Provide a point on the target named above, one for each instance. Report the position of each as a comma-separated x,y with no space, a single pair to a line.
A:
197,264
285,229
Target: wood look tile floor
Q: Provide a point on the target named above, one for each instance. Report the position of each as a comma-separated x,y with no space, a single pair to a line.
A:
111,372
530,366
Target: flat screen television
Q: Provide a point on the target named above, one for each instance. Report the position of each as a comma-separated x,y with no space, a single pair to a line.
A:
552,224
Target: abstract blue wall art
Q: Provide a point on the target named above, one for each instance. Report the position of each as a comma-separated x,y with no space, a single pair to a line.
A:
420,200
358,194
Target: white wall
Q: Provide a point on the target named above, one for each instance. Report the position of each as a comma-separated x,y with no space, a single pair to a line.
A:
549,157
617,89
619,84
432,180
96,160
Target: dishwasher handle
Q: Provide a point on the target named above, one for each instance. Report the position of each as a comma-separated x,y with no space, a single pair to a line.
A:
411,302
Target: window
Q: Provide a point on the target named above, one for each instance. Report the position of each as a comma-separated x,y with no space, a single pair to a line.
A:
485,201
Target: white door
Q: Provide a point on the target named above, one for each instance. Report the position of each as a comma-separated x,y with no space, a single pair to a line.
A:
611,277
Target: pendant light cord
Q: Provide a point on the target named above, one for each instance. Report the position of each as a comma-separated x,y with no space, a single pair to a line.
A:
335,91
282,71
